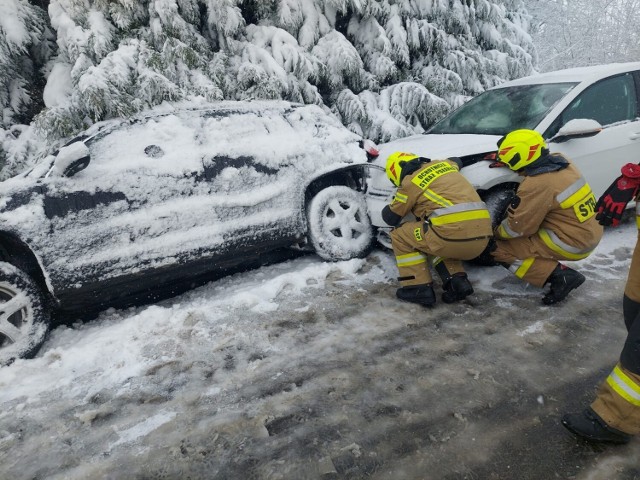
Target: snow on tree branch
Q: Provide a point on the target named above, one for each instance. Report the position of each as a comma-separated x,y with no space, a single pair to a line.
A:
387,68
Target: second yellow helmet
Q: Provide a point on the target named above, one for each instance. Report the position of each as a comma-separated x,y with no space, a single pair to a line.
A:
520,148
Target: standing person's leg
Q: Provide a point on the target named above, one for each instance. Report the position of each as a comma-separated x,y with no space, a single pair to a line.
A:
615,413
631,299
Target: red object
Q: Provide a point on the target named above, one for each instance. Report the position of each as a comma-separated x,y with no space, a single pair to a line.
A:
611,205
631,170
497,165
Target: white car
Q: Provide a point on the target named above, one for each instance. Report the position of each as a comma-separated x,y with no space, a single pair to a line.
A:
589,114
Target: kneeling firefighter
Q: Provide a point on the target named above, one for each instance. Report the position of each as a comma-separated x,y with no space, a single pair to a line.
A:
551,218
452,224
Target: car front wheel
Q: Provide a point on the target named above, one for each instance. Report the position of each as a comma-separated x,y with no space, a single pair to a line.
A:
24,318
339,227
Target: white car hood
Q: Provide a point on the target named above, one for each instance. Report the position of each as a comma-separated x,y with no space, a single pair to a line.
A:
434,146
439,146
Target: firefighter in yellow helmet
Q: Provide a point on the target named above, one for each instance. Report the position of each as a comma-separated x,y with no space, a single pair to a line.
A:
551,218
451,224
614,415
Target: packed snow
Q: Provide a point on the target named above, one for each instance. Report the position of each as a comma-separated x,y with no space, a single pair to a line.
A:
310,369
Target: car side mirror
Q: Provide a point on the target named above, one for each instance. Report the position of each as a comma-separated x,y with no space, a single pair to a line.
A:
577,128
70,160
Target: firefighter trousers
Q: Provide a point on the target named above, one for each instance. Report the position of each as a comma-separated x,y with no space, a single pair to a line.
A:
618,399
528,258
414,249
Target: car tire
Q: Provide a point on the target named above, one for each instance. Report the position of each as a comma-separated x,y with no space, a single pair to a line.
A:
24,316
497,201
339,227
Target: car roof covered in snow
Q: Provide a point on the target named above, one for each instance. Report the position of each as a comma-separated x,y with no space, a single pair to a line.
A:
225,107
575,75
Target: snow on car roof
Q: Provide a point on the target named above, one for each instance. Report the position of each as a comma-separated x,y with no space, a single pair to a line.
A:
274,133
578,74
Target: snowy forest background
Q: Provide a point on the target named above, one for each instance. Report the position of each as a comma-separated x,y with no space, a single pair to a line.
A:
386,68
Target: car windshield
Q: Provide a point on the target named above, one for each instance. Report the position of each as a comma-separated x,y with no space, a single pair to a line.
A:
499,111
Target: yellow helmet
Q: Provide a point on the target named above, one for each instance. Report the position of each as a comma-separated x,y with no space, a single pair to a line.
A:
520,148
394,165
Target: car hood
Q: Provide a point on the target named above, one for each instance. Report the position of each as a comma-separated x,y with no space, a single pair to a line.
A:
434,146
439,146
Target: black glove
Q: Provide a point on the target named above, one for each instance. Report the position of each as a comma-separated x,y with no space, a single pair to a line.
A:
615,198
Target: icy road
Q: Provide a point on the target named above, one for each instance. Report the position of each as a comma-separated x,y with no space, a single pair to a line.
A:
313,370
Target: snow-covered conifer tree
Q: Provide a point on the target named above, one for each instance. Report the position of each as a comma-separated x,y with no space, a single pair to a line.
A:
443,52
387,68
584,32
122,56
26,44
24,49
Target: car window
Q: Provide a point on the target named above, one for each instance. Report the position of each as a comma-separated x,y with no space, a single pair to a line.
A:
609,101
497,112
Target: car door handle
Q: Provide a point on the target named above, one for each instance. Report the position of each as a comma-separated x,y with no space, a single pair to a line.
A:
635,136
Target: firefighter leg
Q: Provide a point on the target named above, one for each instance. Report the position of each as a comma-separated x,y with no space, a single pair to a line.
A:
615,413
413,272
446,268
447,262
618,401
631,311
412,263
532,261
631,299
455,283
524,259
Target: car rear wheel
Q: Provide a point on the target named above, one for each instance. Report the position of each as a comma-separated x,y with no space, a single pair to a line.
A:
339,225
24,318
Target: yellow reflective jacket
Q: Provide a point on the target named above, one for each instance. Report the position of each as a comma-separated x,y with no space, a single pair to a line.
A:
439,194
558,206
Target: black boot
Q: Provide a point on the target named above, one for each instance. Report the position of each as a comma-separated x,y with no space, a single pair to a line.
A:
457,288
420,294
563,279
590,426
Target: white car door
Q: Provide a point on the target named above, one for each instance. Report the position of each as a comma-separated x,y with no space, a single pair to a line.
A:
613,103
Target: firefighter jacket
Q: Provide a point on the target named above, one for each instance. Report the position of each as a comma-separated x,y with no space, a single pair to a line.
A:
437,193
559,207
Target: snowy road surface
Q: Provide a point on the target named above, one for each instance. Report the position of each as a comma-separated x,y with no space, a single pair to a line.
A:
313,370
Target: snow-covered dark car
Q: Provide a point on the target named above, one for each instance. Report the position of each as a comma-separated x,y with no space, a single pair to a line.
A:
138,205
